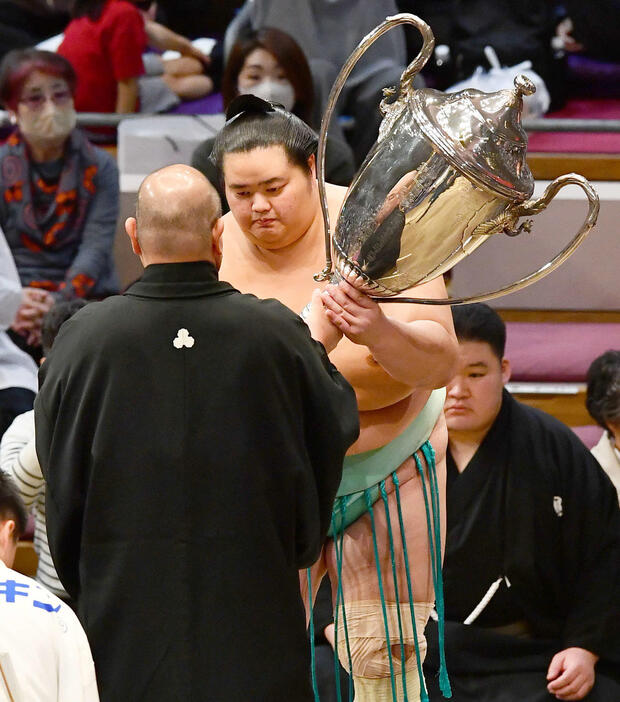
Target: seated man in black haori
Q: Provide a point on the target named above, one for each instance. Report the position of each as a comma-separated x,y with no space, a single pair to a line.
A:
532,560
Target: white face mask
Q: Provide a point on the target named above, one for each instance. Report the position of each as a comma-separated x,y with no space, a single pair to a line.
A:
280,91
47,126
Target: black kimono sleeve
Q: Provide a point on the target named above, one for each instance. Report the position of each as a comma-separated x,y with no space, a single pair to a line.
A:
331,425
591,542
62,421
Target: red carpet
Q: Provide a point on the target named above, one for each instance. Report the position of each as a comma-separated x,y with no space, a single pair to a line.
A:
580,142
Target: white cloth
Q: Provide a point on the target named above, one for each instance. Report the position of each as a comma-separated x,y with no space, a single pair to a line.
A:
18,458
608,456
17,369
44,651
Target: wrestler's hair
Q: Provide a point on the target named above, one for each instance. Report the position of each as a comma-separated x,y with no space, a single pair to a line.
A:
252,123
11,505
55,317
603,391
479,322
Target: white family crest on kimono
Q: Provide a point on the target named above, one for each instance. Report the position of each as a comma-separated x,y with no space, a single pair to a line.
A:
182,339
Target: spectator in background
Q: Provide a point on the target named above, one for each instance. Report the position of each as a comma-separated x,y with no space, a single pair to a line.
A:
593,28
105,43
59,194
532,562
18,457
603,403
269,63
44,653
18,372
328,32
24,23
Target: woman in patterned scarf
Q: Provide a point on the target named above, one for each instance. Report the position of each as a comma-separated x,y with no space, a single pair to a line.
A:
58,193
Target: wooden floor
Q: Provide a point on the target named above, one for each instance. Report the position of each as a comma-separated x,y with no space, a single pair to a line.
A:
547,166
570,409
519,315
26,559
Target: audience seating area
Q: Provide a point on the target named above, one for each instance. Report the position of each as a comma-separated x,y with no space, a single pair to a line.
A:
550,352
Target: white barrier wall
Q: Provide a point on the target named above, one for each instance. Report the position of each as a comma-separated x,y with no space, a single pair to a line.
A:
144,145
590,279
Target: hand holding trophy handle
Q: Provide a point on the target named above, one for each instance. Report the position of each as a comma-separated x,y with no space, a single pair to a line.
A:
506,223
406,87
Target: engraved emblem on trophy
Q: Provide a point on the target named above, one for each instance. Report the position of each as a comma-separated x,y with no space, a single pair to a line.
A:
448,171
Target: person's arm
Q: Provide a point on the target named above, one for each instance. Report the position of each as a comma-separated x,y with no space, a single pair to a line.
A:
325,423
10,286
321,329
95,251
29,318
571,673
76,669
419,353
127,96
591,554
162,38
18,457
124,42
22,309
62,425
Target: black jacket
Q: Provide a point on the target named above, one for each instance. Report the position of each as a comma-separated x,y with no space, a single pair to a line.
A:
534,505
187,484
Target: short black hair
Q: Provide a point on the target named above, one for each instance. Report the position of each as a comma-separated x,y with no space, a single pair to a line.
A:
55,317
12,505
252,123
603,391
479,322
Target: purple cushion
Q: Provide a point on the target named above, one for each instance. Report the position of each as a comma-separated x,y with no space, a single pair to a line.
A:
209,105
590,77
582,142
589,434
557,351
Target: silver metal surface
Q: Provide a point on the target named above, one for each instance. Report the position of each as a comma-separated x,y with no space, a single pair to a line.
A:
406,86
447,172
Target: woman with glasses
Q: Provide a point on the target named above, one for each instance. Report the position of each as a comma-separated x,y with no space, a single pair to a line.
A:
58,193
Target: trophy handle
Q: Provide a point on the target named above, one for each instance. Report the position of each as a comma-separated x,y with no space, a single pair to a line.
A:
406,89
524,209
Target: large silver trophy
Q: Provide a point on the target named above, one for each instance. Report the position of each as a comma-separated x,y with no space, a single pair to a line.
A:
448,171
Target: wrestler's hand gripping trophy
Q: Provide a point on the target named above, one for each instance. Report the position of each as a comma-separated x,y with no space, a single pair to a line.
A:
448,171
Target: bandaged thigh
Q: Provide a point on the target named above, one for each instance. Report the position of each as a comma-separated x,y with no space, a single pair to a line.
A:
368,645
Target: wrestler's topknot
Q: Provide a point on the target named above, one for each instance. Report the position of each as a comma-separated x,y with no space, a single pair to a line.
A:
252,123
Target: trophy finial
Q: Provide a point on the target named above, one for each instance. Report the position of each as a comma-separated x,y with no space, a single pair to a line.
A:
523,85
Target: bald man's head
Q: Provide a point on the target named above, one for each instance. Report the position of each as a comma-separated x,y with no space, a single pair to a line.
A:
176,211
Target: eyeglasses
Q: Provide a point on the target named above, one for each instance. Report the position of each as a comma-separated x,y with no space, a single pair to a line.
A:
37,101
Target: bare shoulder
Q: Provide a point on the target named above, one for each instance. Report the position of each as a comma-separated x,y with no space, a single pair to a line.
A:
230,223
335,197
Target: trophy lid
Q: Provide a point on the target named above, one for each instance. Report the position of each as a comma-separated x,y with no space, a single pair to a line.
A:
481,134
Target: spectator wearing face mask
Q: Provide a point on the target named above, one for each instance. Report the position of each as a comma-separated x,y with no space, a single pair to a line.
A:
269,63
58,193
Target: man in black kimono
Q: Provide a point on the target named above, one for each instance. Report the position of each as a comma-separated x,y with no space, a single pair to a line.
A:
531,568
192,440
